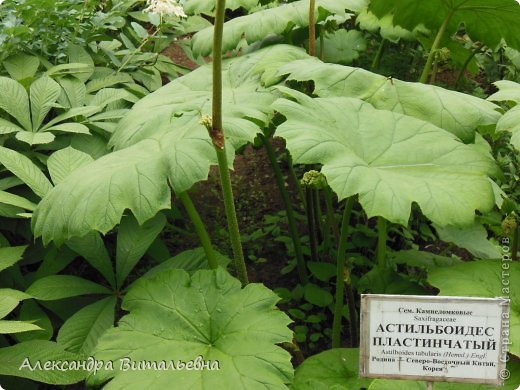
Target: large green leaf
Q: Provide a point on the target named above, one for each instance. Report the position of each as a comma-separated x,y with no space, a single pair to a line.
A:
175,317
170,146
455,112
43,92
483,278
133,240
487,21
12,361
25,170
15,101
273,21
507,91
81,332
55,287
31,312
389,159
333,369
17,201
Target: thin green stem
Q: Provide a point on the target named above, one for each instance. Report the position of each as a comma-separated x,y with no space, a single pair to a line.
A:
310,223
295,179
318,215
436,43
460,76
217,136
200,228
379,55
145,41
382,234
331,220
293,229
312,28
340,273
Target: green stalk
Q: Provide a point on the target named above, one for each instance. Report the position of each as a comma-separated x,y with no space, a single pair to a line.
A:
382,234
296,181
379,55
318,215
200,228
293,229
310,223
340,273
217,136
514,246
433,76
331,220
436,43
312,28
465,65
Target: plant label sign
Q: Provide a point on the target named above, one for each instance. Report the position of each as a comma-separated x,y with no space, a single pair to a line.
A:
449,339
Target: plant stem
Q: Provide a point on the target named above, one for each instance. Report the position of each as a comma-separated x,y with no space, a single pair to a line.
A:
351,302
296,181
200,228
340,273
310,223
330,214
379,55
435,46
217,136
435,69
293,229
312,28
318,215
381,241
145,41
322,43
465,65
514,246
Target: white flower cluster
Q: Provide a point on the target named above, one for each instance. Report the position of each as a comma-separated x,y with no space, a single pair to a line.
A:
165,7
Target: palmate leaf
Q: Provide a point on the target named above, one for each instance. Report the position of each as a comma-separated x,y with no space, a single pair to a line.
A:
175,317
273,21
333,369
455,112
169,146
483,278
389,159
487,21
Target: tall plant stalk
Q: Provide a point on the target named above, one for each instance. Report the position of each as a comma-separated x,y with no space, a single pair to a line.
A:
200,228
379,55
312,28
293,229
340,274
436,43
311,210
382,234
216,132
